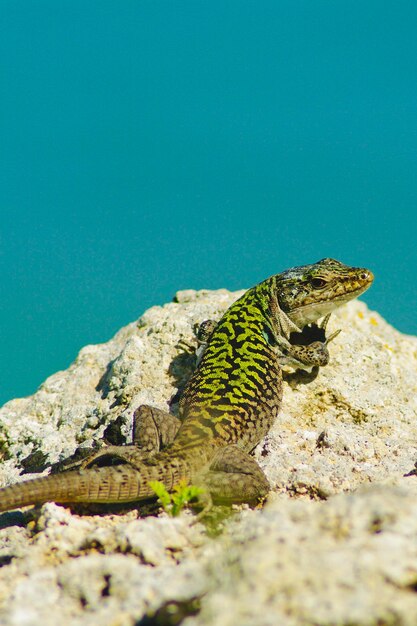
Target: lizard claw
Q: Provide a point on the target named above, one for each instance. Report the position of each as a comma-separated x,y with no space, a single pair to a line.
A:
323,326
324,322
332,336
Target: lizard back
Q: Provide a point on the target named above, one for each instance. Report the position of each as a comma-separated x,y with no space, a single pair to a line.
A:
238,381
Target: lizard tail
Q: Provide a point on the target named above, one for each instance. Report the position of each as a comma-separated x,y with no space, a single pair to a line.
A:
121,483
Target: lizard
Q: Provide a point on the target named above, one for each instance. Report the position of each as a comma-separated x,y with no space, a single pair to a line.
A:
228,405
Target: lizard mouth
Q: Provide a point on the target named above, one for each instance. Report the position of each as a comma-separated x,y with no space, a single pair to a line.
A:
355,292
363,282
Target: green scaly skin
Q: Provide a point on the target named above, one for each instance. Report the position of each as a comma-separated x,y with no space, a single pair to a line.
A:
228,405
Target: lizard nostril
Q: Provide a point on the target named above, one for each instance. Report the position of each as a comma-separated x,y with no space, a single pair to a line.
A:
366,275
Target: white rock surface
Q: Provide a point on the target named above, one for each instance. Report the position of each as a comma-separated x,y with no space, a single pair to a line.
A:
336,543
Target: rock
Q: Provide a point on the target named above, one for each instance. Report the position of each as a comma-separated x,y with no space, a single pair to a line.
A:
334,544
350,560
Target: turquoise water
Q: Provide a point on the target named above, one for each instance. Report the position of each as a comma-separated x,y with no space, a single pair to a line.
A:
152,146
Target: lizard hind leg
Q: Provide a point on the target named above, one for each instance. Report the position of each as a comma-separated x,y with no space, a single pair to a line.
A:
235,477
153,430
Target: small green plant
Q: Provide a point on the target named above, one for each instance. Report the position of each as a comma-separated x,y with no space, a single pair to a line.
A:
174,502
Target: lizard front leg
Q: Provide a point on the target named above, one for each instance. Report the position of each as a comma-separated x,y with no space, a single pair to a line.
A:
203,332
308,348
153,430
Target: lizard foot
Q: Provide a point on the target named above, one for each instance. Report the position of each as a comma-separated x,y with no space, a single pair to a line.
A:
235,477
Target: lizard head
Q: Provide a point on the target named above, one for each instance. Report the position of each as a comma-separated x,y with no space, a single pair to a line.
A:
309,292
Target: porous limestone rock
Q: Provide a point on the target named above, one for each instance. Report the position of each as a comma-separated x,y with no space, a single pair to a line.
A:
335,544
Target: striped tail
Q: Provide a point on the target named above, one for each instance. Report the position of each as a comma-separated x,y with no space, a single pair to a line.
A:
121,483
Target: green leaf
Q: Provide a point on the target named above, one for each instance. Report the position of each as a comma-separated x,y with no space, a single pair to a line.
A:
182,494
164,497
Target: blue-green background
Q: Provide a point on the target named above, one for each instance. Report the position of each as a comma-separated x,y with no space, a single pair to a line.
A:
151,146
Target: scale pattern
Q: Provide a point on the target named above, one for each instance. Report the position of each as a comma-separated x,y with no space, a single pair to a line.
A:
236,392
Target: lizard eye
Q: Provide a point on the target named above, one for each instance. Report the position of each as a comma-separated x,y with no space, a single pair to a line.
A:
317,283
